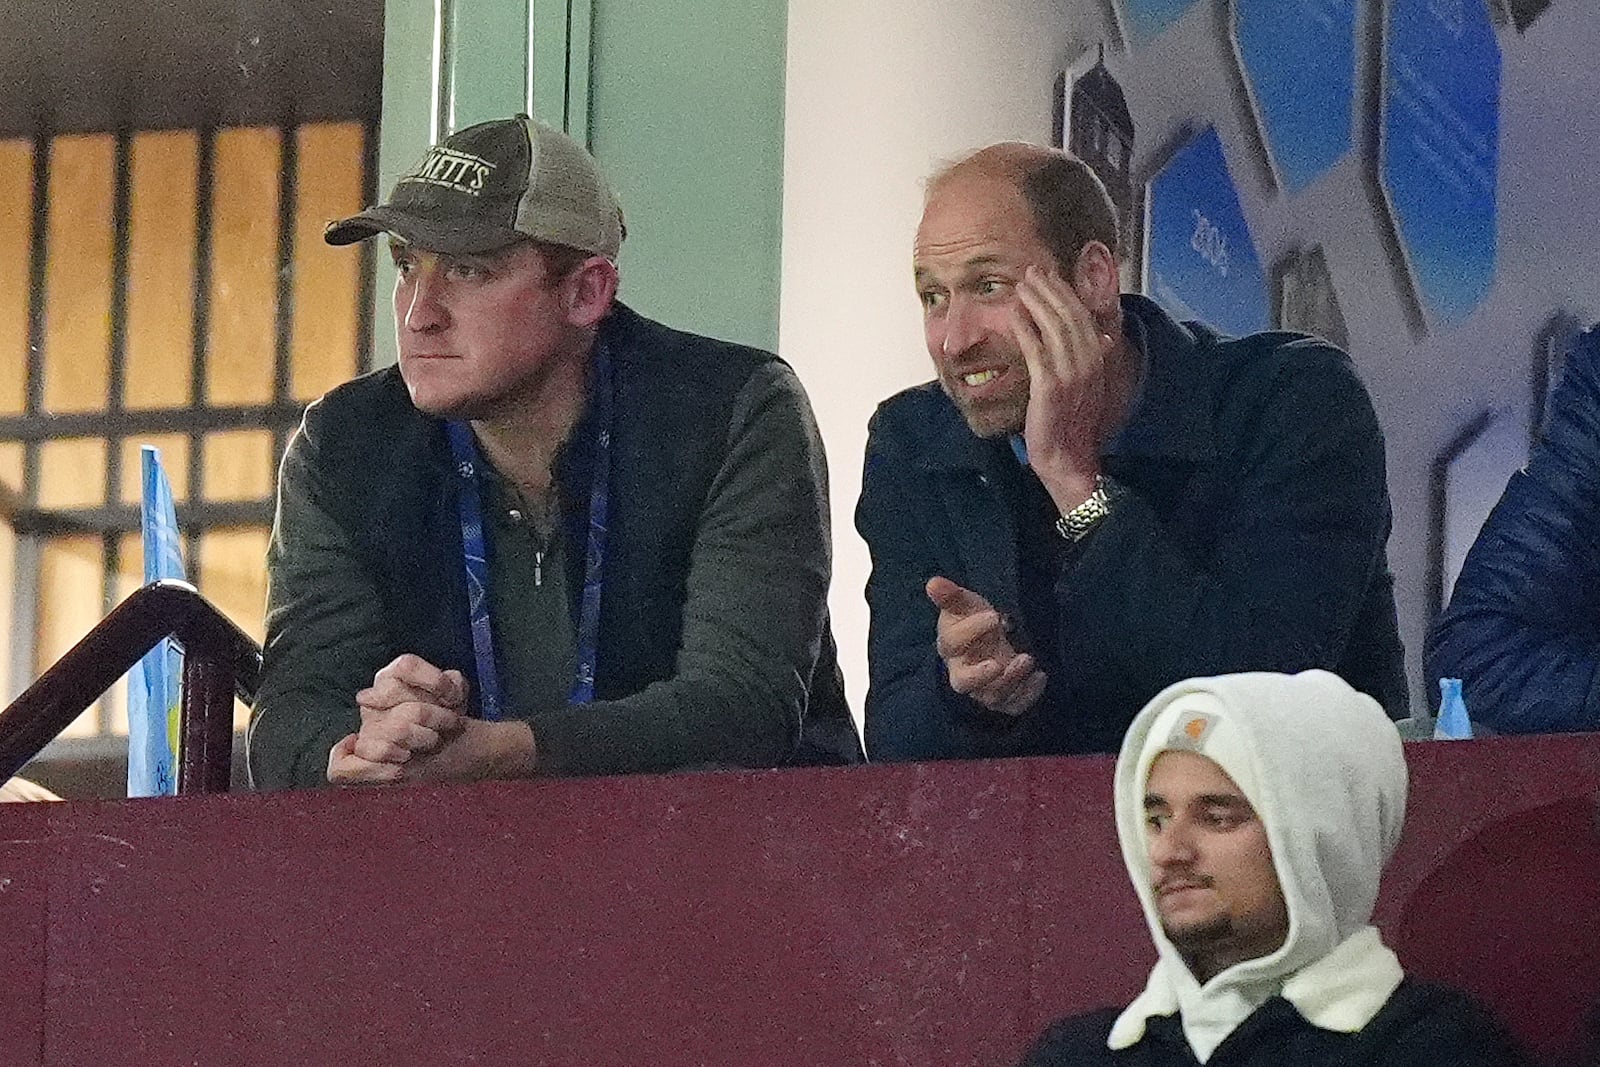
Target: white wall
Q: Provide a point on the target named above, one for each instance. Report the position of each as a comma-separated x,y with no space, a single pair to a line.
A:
879,91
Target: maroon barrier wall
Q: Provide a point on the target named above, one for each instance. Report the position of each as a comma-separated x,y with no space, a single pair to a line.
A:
926,914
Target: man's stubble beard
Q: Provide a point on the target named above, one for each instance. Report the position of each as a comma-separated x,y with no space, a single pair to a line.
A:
1201,935
999,418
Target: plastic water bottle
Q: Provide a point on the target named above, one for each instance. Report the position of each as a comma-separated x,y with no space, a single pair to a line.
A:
1452,723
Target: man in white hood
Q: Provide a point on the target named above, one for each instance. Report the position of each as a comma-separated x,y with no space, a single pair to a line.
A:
1256,813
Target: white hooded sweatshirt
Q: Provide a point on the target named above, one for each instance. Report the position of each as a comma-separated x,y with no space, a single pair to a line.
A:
1321,764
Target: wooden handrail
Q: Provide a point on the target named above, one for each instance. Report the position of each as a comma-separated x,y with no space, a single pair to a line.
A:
219,661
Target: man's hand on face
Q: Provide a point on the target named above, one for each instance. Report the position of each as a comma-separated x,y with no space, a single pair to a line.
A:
414,728
978,655
1068,395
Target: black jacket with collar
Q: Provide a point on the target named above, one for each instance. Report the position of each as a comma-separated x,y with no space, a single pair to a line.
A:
1421,1025
1251,537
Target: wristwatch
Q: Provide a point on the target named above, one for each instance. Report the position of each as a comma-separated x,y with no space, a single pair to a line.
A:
1075,525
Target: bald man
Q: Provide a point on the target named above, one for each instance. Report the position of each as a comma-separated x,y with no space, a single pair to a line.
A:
1093,500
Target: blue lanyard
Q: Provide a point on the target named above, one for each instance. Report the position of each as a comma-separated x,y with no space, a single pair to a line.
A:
475,551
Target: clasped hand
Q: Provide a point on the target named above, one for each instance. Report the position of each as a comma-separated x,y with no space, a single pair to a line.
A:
414,727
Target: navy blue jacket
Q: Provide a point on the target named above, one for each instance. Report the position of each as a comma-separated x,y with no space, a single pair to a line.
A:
1523,628
1252,538
1422,1025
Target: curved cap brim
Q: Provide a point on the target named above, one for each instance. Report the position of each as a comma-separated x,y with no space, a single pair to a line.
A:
454,236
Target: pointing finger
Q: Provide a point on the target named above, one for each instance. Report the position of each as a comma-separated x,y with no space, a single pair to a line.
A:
954,599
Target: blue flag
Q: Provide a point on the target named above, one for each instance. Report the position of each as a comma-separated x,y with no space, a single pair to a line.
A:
155,684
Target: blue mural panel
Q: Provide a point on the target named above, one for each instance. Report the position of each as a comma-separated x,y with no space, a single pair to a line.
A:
1299,60
1200,261
1144,19
1439,149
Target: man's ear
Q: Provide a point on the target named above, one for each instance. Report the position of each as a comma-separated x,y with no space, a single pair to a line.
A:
1096,278
589,291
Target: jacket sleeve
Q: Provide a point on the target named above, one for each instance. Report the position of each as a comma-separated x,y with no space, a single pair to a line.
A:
903,668
1522,631
1297,539
326,637
1078,1041
753,615
1425,1024
912,713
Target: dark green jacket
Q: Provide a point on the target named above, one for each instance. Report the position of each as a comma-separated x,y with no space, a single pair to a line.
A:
713,632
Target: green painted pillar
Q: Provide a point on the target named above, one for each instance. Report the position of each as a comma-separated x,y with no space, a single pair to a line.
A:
681,101
686,117
486,62
409,114
451,63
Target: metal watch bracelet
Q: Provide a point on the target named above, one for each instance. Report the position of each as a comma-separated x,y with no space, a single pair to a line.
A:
1075,525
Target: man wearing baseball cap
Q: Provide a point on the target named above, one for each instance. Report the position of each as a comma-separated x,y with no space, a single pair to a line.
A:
1256,813
557,537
